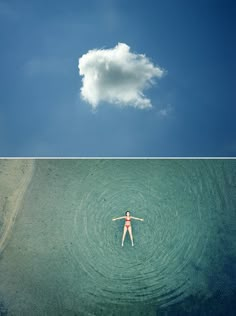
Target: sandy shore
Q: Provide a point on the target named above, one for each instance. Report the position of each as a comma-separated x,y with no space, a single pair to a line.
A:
15,176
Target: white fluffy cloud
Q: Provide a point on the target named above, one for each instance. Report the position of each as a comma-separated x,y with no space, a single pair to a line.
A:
117,76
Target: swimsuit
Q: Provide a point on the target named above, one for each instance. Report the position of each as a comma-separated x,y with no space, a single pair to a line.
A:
127,225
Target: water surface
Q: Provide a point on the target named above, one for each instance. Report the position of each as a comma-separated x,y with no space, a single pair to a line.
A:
65,256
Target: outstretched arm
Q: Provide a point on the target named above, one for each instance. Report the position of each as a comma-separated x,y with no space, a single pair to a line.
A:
139,219
114,219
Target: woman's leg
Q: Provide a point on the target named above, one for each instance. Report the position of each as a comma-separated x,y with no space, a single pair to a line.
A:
123,237
131,235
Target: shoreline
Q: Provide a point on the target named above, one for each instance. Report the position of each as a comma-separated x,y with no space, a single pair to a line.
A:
20,172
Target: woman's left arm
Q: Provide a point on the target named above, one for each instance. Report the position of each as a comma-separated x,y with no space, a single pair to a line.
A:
139,219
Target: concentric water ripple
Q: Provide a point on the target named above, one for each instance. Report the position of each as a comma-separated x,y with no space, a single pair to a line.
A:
167,262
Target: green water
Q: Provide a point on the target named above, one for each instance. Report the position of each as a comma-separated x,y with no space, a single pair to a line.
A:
65,256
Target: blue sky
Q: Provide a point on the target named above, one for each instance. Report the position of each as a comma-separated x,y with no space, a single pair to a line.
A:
42,113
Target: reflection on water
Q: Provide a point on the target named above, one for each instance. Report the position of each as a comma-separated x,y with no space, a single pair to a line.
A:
66,252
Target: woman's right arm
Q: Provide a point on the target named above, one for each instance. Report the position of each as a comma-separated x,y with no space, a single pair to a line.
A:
114,219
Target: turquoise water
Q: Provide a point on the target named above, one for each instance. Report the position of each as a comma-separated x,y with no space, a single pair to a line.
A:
65,256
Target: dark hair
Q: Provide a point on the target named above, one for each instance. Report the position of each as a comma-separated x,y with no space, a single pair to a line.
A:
127,212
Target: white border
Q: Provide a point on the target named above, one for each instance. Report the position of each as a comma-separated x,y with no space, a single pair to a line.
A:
158,158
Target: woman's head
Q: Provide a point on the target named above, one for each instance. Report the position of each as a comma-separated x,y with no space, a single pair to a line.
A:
127,213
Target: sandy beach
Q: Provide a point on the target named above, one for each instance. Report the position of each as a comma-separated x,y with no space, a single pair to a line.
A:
15,176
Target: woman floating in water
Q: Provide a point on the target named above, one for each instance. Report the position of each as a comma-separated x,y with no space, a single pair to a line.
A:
127,226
